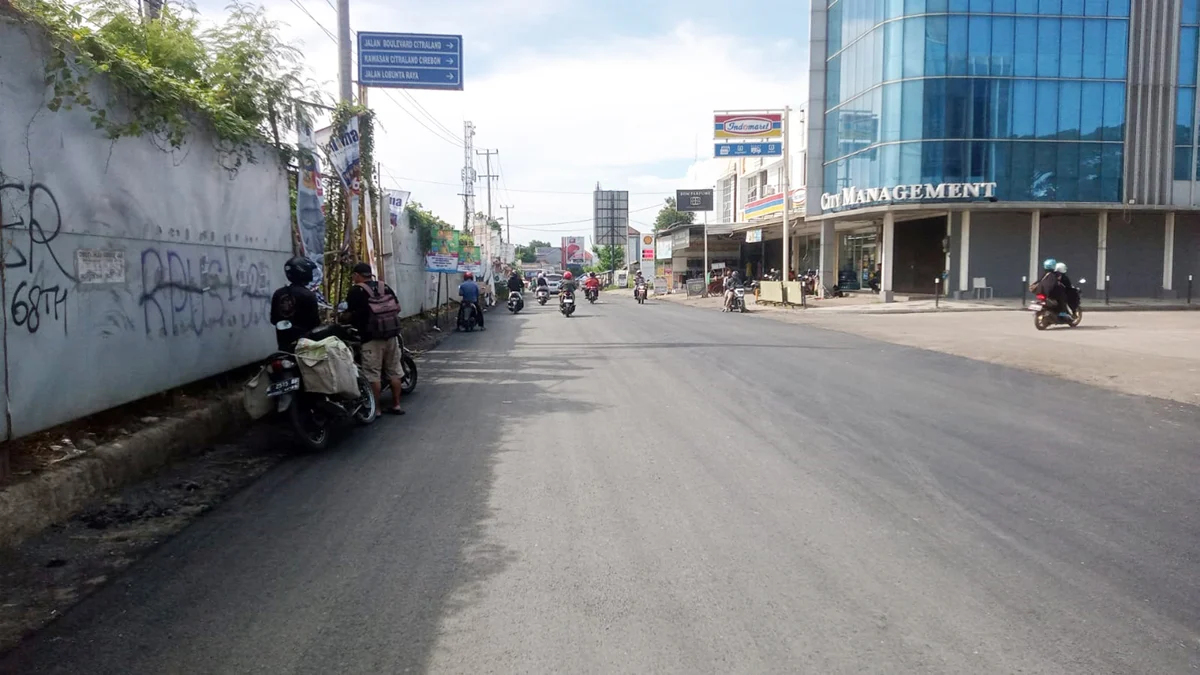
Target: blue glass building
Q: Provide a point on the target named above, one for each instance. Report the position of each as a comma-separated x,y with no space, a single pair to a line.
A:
967,139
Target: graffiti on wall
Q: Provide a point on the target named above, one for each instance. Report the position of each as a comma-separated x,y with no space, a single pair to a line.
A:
34,270
188,294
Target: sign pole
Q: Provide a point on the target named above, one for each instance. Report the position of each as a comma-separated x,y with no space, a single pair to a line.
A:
707,276
787,197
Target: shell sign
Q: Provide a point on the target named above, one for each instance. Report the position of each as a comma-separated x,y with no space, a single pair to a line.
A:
647,247
762,125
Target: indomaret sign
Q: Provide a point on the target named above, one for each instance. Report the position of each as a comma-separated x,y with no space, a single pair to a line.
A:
853,197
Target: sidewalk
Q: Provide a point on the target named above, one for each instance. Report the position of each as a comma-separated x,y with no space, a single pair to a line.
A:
862,303
1133,351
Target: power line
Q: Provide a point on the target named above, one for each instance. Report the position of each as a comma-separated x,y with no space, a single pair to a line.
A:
538,192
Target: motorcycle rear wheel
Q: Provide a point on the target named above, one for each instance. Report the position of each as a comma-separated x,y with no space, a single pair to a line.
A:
409,382
1042,320
312,428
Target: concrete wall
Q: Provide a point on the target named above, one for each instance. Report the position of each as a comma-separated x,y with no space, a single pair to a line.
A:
128,270
1135,255
1000,250
1187,255
416,288
1073,239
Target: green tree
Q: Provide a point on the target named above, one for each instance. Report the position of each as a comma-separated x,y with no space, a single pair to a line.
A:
425,223
669,215
537,243
608,258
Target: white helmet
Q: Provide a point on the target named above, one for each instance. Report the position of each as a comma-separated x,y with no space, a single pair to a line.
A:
1061,268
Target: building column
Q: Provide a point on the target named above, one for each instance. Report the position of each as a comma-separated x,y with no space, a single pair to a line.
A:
1169,254
887,246
1102,253
828,253
964,255
1035,241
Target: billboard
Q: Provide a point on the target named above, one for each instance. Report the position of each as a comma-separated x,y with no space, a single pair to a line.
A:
443,255
694,200
574,251
610,217
753,125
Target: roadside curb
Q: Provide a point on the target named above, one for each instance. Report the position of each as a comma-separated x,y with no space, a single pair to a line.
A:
29,506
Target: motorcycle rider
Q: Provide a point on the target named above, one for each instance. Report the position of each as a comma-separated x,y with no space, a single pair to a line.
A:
1060,271
295,303
516,283
727,287
468,291
638,282
567,285
1050,286
592,283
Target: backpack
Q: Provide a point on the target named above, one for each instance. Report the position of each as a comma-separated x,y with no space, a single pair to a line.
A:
383,317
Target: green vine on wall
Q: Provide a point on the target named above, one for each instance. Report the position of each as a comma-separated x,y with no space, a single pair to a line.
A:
238,77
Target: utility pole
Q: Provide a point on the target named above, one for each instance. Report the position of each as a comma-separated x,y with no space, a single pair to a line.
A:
489,176
507,223
345,84
787,198
468,175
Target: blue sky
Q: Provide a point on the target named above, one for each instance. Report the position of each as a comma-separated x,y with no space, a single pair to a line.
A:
570,92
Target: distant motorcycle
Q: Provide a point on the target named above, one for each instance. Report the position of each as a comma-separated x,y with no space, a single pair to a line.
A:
1047,313
591,294
543,295
639,293
515,302
738,302
567,304
314,416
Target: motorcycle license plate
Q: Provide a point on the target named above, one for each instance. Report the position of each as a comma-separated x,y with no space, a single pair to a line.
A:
568,301
284,386
1035,307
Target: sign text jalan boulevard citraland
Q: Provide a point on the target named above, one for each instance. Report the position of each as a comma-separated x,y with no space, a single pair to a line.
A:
853,197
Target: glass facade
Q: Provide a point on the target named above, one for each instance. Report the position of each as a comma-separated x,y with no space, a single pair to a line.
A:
1029,94
1185,103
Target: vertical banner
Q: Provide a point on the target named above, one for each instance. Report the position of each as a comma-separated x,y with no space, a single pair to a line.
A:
310,216
346,159
397,200
469,260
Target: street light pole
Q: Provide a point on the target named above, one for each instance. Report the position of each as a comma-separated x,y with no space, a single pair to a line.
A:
787,198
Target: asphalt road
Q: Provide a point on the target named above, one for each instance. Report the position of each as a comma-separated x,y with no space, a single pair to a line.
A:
659,489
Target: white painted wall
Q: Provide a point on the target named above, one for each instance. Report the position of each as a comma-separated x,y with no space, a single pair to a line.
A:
129,269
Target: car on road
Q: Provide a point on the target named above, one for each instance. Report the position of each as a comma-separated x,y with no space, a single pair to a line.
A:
554,281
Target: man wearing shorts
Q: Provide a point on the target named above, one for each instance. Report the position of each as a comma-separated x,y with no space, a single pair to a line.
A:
380,356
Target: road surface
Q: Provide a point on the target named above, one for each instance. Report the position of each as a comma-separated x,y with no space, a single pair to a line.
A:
659,489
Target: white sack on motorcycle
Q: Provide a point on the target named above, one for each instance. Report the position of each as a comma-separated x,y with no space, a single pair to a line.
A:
327,367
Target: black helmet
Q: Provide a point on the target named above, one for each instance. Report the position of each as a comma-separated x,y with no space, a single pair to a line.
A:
299,270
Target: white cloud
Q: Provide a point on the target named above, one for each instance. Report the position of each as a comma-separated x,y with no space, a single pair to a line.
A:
608,110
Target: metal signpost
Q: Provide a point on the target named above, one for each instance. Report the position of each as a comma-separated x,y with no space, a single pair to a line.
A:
410,61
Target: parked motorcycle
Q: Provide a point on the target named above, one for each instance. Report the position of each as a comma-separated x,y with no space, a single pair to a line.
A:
567,304
639,293
543,295
314,416
515,302
467,320
1047,313
591,294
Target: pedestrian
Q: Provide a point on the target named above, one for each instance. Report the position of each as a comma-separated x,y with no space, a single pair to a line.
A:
375,313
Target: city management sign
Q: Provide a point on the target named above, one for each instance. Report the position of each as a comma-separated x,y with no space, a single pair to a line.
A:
853,197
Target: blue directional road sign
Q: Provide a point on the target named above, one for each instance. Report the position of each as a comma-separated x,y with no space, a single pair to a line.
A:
748,150
410,61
